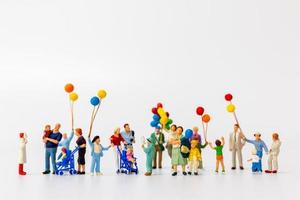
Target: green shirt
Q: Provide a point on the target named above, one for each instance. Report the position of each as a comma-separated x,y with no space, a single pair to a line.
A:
219,150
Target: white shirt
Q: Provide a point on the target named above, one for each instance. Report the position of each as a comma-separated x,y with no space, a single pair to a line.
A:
255,159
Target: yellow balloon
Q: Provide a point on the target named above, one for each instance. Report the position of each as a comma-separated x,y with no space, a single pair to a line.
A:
164,120
102,94
73,96
160,111
231,108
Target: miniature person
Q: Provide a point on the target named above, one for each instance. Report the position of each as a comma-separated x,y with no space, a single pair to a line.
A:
97,153
116,139
51,148
260,145
172,133
159,139
128,135
236,144
177,158
81,143
149,151
256,167
63,154
273,154
129,155
219,154
47,131
22,153
194,158
65,142
200,146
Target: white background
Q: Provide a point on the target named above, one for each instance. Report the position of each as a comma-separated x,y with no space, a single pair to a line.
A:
182,53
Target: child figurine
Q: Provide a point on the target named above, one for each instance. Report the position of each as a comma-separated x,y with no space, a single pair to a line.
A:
47,131
81,143
194,158
129,155
63,154
149,151
219,154
97,153
273,155
256,167
22,153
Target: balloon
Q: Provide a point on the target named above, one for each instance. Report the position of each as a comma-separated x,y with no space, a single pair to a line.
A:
167,127
188,133
228,97
73,96
163,120
231,108
160,111
154,111
200,111
102,94
95,101
156,118
159,105
168,114
170,121
154,124
69,88
206,118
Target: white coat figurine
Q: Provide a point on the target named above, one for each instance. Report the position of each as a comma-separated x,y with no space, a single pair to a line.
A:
22,153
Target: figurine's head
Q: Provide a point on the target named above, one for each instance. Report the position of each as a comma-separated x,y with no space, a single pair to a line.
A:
47,127
257,136
275,136
173,128
78,132
22,135
218,143
194,144
157,129
57,127
179,130
64,150
127,127
236,127
195,130
96,140
65,136
117,131
254,152
129,149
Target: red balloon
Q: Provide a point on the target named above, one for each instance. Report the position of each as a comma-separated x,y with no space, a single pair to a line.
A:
200,111
228,97
168,114
154,111
159,105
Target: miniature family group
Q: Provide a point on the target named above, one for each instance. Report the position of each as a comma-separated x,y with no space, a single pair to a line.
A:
184,147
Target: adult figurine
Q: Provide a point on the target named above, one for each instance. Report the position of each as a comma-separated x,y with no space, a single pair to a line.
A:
236,144
158,139
128,135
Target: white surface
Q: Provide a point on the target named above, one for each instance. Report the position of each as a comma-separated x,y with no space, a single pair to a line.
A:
182,53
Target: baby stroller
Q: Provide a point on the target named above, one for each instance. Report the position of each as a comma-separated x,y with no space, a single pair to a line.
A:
67,163
126,166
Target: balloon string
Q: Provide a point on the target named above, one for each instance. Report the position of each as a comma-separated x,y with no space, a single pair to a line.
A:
72,114
203,129
91,123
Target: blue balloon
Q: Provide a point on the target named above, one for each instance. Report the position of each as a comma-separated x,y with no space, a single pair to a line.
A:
95,101
188,133
154,124
156,118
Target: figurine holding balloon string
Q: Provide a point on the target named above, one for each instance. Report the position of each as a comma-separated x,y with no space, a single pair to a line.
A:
96,102
69,88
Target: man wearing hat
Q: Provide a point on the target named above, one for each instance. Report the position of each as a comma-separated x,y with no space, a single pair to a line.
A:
158,140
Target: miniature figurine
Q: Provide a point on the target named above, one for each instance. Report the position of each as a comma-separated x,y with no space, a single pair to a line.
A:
130,155
81,143
128,135
51,144
22,153
149,151
65,142
194,158
97,153
47,131
200,146
172,133
259,146
159,139
273,154
256,167
236,144
116,139
219,153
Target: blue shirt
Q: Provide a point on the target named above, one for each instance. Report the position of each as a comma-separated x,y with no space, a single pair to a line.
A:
66,142
127,137
54,136
259,145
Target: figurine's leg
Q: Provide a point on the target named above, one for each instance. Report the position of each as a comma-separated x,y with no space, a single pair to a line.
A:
217,166
240,157
160,158
234,157
155,158
97,165
93,165
270,165
223,166
53,158
275,163
47,160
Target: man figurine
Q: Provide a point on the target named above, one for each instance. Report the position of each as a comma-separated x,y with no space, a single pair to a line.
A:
158,139
236,144
128,136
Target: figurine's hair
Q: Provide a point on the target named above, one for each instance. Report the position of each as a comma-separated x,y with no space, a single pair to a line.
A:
218,143
275,136
180,127
174,126
126,125
237,125
48,126
95,138
116,129
79,131
257,133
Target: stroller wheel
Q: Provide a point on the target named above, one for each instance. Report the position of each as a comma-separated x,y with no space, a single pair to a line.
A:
72,172
60,173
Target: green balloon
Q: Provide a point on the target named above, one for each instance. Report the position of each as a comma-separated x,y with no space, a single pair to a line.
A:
170,121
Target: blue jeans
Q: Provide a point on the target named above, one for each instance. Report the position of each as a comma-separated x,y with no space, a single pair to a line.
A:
95,167
50,153
260,155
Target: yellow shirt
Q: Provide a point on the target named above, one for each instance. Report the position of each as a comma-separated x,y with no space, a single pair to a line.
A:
195,154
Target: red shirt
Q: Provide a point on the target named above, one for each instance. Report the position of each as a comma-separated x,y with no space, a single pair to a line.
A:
116,140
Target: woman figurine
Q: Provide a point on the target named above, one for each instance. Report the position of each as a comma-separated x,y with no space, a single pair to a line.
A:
116,140
22,153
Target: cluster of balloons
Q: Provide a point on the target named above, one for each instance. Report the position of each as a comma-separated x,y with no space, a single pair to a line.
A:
205,118
69,88
230,106
160,117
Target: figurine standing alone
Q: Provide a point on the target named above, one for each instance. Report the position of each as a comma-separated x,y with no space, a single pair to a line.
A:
22,153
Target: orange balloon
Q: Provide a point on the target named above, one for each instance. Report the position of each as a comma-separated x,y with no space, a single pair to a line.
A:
206,118
69,88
